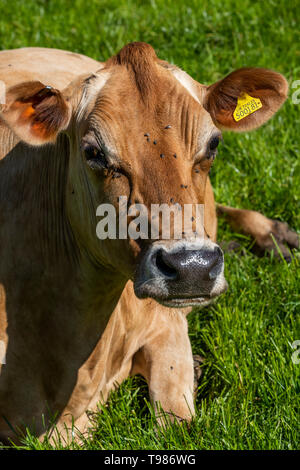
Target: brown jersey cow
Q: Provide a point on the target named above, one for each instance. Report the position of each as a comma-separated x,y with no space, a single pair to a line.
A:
79,314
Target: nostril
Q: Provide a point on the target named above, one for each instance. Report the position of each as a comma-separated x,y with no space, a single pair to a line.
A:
165,268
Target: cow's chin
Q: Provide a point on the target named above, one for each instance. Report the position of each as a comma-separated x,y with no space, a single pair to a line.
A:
187,302
181,300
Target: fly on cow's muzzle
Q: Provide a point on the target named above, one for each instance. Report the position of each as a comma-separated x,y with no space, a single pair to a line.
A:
181,273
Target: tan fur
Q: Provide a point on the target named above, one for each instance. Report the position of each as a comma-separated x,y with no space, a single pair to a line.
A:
73,324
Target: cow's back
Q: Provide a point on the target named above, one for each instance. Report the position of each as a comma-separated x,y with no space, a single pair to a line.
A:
53,67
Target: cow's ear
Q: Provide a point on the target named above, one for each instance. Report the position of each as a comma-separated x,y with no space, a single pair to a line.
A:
245,99
35,112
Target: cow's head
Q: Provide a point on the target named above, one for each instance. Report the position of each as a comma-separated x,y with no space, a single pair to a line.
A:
144,129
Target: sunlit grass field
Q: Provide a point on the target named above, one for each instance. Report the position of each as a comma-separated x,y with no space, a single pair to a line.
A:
248,395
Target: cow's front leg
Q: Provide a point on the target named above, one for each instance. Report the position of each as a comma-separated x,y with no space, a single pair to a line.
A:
267,233
166,362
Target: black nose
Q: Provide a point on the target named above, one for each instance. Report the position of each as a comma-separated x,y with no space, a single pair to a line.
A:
183,271
187,272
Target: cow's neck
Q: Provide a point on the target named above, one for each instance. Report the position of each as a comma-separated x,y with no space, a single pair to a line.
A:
48,279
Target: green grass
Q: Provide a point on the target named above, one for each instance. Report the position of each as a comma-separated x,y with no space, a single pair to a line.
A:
249,392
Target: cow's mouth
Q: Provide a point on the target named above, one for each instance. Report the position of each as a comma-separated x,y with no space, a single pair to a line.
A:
201,301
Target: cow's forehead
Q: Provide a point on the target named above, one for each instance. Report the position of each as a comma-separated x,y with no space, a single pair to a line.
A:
170,111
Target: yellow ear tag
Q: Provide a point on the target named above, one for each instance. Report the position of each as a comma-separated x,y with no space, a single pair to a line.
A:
246,105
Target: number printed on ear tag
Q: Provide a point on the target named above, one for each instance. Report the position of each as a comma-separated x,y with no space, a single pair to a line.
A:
246,105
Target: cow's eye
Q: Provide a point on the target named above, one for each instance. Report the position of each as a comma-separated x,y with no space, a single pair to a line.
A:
95,157
214,142
212,147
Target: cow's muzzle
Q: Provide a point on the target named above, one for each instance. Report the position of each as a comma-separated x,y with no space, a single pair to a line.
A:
181,274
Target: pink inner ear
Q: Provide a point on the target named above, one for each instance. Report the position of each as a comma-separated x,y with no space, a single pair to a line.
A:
27,118
29,111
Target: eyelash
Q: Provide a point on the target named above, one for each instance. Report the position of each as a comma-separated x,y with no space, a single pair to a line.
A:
206,161
95,158
212,148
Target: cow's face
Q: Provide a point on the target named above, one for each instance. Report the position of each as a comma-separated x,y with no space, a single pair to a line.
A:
154,148
144,132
